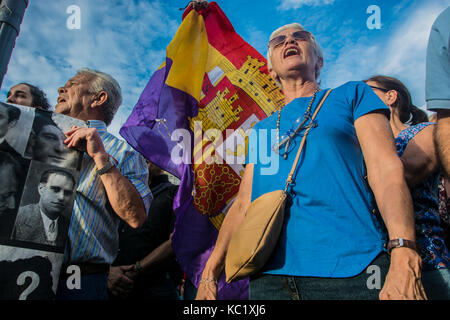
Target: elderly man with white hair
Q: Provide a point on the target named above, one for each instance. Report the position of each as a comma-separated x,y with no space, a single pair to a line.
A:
112,183
333,243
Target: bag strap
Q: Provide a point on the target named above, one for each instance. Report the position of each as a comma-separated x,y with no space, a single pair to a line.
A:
294,166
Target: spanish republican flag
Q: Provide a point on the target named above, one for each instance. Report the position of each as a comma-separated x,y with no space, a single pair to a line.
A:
192,120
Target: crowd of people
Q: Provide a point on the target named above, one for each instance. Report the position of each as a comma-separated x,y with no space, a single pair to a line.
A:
371,188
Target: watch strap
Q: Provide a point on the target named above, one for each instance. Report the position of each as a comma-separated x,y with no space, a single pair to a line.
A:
107,166
400,242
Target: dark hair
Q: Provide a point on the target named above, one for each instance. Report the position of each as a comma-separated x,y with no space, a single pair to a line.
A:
408,112
39,97
42,119
46,174
13,112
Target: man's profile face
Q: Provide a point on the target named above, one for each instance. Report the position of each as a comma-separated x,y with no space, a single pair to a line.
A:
8,188
50,147
55,194
75,96
20,94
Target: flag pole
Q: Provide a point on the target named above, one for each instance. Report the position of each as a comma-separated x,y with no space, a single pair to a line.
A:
11,16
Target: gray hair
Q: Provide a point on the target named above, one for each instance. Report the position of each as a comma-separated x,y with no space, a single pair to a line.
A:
105,82
316,46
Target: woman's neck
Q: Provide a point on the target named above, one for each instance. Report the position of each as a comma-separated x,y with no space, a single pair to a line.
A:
396,125
298,88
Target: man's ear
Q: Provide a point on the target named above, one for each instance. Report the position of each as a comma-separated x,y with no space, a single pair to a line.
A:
99,99
41,188
29,150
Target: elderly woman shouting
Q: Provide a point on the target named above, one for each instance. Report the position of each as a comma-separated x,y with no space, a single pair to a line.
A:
332,231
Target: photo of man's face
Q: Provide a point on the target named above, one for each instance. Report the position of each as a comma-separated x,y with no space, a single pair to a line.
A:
9,187
49,147
5,122
55,194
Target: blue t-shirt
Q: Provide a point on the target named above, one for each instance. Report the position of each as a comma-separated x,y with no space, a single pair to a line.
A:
329,228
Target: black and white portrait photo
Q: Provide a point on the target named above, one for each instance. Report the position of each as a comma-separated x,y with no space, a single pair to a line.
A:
11,177
20,120
38,180
9,115
46,143
46,206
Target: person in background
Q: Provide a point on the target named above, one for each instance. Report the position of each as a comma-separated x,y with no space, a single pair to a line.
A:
414,140
145,267
28,95
443,199
437,84
437,95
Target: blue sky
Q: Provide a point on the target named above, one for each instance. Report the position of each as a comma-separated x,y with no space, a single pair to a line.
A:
128,38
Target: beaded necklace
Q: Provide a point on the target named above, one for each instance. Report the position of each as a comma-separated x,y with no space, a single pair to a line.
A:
291,133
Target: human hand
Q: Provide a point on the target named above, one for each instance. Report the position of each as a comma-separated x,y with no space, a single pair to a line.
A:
403,281
207,289
199,4
88,140
132,273
118,283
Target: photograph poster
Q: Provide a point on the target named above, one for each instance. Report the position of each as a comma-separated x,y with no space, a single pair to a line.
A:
39,176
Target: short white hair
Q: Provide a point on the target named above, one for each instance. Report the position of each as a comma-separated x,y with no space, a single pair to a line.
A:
104,82
295,25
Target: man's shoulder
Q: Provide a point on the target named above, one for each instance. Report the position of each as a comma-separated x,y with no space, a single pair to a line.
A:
350,87
30,208
29,211
28,216
118,147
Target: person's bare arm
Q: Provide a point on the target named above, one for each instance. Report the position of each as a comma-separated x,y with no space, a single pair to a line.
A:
386,178
124,198
207,289
419,158
442,139
154,261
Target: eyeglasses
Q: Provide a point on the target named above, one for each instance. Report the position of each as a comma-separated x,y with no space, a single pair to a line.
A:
297,35
287,140
381,89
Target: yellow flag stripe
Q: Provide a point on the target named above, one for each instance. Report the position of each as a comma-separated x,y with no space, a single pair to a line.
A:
189,54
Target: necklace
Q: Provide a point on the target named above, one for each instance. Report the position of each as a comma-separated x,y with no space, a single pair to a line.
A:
292,132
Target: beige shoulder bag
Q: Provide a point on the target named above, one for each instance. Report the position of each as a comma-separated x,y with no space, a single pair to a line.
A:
253,242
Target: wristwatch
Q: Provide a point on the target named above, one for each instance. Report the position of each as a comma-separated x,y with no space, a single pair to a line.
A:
111,163
137,266
400,242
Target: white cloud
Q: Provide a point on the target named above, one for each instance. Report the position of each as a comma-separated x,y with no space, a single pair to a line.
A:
402,55
124,39
295,4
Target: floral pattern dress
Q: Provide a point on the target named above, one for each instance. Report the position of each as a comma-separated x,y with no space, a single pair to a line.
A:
429,233
444,210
